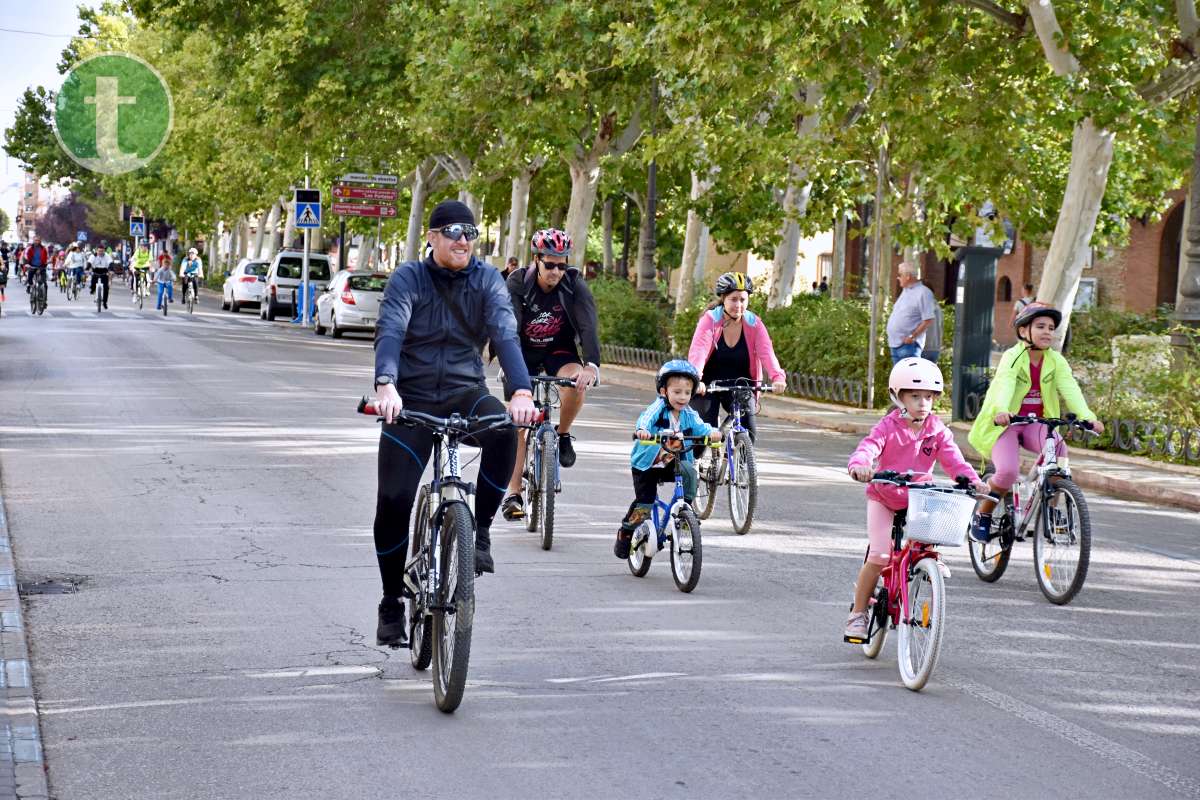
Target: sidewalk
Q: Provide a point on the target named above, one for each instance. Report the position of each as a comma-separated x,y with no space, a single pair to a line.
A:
1115,474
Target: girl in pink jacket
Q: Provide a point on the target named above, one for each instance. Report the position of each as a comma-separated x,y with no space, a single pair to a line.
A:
732,342
909,439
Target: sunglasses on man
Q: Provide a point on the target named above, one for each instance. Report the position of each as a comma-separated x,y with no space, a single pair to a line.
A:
563,267
458,231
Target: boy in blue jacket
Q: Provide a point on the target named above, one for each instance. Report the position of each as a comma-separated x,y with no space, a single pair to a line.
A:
676,381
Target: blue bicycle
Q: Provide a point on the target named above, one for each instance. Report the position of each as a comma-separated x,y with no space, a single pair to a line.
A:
672,523
738,469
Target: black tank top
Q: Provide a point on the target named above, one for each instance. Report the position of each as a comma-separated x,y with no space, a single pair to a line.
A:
728,363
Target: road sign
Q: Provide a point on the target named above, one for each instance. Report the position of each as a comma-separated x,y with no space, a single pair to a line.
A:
363,177
137,226
308,208
81,236
343,191
364,210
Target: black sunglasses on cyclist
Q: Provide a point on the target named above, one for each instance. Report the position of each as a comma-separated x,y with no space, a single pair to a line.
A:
458,231
551,265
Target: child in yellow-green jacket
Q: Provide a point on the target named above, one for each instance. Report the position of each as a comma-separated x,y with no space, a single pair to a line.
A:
1032,379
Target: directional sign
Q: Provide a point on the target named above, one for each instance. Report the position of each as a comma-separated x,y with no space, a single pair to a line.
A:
81,236
364,210
343,191
308,208
363,177
137,226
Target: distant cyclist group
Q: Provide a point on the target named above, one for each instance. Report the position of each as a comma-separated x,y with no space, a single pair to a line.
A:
442,316
77,265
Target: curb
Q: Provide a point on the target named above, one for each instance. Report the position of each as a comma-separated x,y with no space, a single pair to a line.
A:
22,762
825,416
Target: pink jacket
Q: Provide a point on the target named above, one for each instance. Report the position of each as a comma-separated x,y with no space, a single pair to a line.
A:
758,342
892,445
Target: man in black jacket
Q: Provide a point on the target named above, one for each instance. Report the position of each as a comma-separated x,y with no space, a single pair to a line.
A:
556,315
435,317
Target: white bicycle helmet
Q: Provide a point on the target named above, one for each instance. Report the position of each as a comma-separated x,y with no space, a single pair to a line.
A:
914,373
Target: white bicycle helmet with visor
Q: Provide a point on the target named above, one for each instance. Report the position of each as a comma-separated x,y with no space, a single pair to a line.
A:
914,373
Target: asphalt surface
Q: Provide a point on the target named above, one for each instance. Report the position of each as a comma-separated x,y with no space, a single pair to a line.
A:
208,487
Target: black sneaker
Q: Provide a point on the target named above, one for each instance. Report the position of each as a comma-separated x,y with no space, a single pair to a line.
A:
393,623
513,508
621,547
566,451
483,552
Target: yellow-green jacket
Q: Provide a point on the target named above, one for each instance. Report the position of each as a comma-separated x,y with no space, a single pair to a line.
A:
1010,385
141,259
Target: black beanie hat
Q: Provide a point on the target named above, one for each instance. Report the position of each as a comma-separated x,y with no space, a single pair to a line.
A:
449,212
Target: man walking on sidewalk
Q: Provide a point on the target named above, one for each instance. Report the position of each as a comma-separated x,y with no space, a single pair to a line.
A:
911,316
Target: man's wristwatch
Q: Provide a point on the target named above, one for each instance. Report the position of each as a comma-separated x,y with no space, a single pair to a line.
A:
382,380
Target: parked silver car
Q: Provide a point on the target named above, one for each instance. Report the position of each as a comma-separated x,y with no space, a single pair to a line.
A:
283,281
244,285
351,303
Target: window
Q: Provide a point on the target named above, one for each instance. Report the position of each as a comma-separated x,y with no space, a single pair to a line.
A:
824,265
1004,290
367,283
290,267
257,268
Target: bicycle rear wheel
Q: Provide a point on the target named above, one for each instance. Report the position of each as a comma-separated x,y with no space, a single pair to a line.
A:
545,484
533,493
708,474
878,622
686,552
453,621
1062,552
921,634
990,559
743,484
420,634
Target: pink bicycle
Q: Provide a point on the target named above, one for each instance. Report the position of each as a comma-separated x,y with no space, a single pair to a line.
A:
911,594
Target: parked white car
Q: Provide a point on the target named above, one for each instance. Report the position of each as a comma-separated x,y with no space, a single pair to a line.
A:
351,303
283,281
244,285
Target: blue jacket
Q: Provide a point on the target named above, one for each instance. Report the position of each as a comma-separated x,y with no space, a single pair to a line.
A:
422,346
657,418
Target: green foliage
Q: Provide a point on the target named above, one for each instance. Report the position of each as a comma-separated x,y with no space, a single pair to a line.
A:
629,318
1092,331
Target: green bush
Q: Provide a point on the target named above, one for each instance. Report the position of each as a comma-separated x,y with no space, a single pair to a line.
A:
1092,331
629,318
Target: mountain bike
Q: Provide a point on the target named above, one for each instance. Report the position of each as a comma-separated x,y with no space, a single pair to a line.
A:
189,294
738,469
911,593
140,288
73,293
672,523
440,575
1049,507
541,477
37,293
165,300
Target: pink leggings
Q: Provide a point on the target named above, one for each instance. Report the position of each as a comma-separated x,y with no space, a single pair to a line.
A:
1006,455
879,531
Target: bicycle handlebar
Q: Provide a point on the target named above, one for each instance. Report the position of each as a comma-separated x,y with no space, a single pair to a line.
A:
1070,421
905,479
552,380
659,438
738,384
455,423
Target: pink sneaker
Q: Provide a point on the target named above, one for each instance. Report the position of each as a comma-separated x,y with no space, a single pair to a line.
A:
856,626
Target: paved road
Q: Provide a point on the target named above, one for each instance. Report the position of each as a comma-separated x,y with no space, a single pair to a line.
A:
206,484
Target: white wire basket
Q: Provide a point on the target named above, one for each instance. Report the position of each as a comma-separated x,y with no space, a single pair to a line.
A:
938,517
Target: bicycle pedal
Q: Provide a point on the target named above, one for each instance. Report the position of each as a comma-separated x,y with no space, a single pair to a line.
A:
855,639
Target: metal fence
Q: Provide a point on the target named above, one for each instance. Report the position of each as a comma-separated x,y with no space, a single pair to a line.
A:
817,387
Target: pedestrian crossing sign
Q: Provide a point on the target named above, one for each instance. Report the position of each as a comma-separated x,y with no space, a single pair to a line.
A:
137,226
308,208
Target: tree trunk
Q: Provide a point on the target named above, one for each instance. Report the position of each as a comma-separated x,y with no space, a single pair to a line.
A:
1187,307
289,227
265,241
837,281
518,208
646,273
692,235
556,220
1091,156
606,220
795,205
585,180
416,212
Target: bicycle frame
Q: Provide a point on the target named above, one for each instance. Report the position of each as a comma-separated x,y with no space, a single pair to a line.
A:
544,391
449,488
896,573
1046,465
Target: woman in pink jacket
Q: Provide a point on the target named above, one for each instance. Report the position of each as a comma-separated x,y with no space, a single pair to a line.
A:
909,439
731,342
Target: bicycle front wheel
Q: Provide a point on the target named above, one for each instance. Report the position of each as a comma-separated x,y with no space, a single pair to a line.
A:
191,300
639,562
455,615
686,552
921,634
533,502
1062,544
743,484
878,622
420,635
549,460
